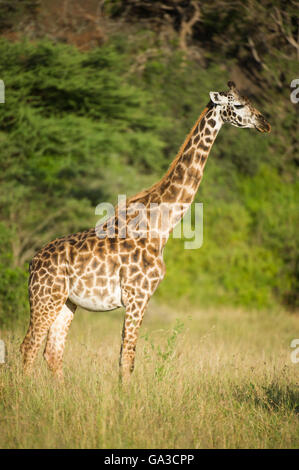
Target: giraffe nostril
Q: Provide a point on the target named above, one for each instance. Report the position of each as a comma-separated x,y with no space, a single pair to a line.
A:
263,125
268,127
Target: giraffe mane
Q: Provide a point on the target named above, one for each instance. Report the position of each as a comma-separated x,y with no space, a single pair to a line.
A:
145,192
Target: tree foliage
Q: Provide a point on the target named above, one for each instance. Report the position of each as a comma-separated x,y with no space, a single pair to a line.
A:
79,128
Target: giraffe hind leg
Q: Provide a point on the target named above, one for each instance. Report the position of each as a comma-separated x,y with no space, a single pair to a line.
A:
34,338
55,344
42,314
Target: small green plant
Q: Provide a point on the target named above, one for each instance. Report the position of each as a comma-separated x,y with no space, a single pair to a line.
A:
163,356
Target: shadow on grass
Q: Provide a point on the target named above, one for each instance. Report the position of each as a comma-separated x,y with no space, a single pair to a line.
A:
273,397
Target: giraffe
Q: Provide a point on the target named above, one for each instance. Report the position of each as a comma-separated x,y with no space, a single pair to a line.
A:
100,270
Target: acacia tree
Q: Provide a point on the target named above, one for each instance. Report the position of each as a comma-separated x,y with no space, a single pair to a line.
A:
68,129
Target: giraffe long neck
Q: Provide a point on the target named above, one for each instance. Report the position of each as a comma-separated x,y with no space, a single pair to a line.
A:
181,182
183,178
179,185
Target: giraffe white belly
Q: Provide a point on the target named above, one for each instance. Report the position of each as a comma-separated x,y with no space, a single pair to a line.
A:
96,302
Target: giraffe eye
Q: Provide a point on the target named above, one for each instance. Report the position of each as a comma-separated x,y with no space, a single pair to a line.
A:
239,106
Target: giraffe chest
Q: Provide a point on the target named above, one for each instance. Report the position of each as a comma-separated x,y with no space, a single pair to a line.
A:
101,294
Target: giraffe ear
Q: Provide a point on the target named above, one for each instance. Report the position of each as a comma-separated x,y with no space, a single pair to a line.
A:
231,84
216,98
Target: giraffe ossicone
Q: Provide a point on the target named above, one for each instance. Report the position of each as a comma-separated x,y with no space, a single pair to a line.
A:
105,273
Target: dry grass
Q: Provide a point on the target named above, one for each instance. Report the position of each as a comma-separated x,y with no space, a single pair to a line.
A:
214,379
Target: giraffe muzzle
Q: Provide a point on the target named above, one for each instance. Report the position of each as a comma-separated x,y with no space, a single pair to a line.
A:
263,126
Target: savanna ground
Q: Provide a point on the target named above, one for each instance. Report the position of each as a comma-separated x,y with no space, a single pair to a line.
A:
203,379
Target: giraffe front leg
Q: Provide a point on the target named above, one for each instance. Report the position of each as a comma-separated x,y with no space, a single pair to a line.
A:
135,309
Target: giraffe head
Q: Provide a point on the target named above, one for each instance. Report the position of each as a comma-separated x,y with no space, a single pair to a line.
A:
237,109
